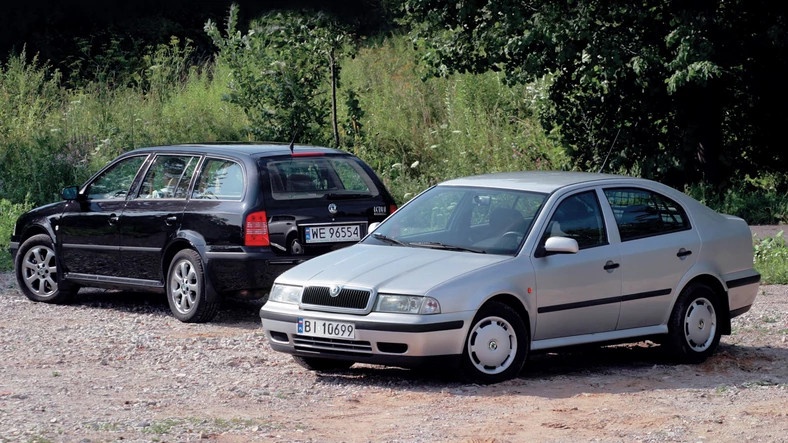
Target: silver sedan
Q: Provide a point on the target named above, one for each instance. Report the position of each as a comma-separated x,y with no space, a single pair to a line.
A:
477,272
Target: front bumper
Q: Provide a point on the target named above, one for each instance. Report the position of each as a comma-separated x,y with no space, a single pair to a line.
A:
386,339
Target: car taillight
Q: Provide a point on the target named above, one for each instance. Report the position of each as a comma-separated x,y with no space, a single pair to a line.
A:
392,208
256,230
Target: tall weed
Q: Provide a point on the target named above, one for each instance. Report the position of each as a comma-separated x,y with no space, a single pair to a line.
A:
418,132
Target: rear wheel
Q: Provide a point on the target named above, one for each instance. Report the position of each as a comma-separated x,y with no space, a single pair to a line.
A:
694,326
497,344
37,272
187,294
322,364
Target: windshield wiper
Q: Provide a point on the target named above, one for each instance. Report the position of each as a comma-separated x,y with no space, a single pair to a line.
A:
389,240
439,245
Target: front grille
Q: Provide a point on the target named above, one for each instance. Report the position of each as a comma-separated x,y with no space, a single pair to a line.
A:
304,343
347,298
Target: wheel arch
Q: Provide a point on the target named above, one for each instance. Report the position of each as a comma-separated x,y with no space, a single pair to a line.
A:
721,299
37,229
514,303
186,240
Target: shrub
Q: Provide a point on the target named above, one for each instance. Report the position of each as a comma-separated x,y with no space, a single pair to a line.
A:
10,212
771,260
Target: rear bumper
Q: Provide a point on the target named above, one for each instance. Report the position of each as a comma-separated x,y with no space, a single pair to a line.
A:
246,274
742,289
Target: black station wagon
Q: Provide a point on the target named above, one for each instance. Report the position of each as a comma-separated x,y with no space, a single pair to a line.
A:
197,222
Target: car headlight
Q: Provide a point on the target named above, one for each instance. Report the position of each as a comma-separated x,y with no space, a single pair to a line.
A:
407,304
285,294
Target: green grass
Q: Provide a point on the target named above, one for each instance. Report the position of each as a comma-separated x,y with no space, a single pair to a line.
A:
771,259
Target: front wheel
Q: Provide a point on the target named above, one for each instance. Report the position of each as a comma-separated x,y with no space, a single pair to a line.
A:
187,295
694,326
37,272
497,344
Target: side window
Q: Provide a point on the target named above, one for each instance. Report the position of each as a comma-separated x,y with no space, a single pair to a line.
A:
220,179
168,177
579,217
643,213
114,183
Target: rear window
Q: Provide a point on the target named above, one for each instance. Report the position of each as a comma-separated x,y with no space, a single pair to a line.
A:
318,177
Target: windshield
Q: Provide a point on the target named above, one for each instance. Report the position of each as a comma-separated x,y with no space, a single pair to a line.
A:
480,220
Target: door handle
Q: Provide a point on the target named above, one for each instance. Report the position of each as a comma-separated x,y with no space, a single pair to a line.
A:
610,265
683,253
169,221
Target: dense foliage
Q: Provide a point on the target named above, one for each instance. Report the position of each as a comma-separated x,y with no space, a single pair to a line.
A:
279,75
684,92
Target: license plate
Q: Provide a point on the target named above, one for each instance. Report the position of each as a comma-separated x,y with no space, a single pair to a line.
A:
322,328
332,233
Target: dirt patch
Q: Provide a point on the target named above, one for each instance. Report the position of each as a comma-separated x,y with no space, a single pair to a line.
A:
115,366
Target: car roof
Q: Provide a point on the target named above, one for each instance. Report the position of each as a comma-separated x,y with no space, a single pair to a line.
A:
251,149
537,181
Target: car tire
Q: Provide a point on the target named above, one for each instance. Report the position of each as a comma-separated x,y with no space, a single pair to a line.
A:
37,272
496,346
694,326
322,364
187,293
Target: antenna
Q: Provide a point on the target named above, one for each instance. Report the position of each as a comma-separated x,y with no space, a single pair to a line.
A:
610,150
292,142
611,147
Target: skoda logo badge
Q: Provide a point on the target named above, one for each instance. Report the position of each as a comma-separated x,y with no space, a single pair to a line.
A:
332,208
334,291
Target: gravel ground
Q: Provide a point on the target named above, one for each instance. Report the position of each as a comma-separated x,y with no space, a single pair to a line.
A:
116,366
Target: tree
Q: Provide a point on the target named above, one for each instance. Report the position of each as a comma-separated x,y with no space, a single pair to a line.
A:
676,91
283,69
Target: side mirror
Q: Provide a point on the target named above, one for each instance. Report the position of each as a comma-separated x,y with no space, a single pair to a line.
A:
372,227
69,193
561,245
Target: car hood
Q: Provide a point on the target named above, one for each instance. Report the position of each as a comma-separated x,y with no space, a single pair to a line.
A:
399,269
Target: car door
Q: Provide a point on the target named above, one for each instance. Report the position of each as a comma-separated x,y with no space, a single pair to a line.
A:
153,215
577,293
88,230
658,247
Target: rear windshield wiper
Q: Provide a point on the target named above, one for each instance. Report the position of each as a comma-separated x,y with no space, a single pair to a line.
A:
389,240
439,245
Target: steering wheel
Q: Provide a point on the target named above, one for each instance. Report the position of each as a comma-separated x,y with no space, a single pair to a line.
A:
510,238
